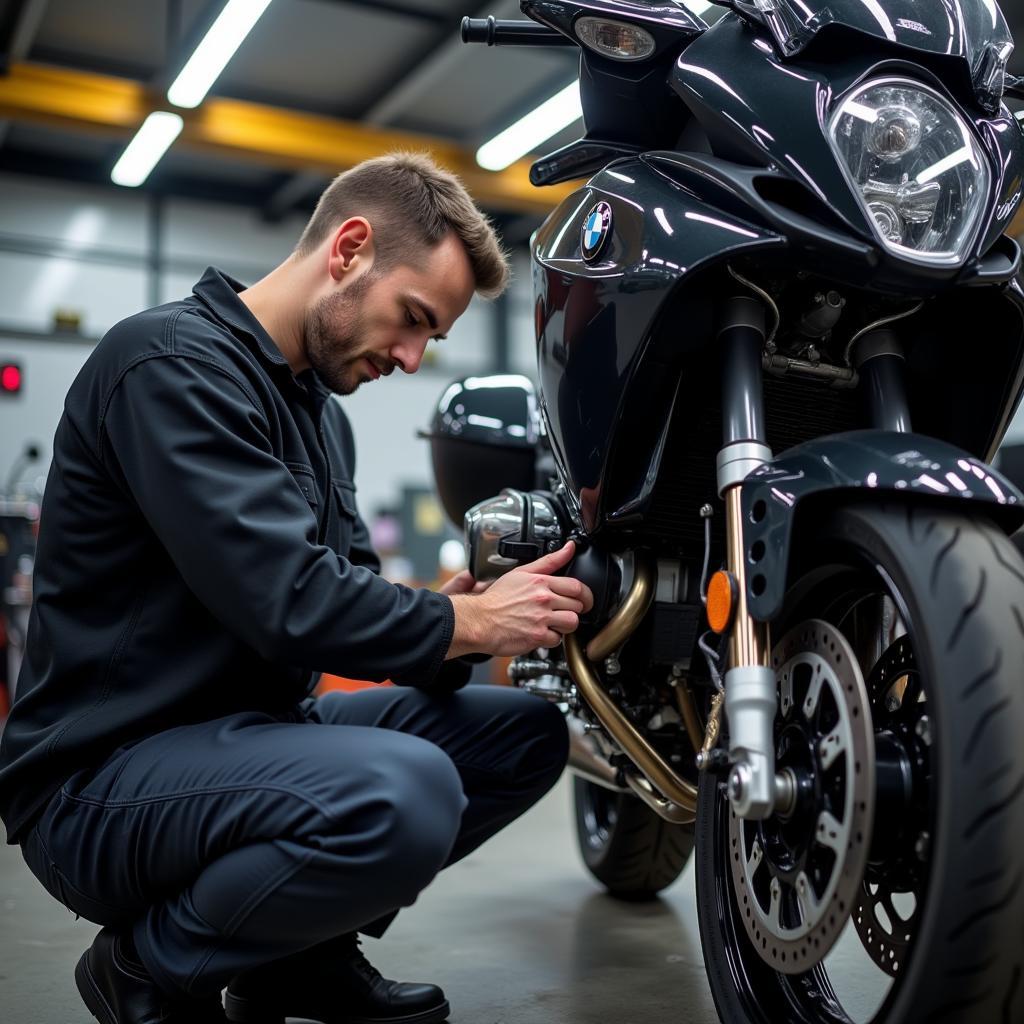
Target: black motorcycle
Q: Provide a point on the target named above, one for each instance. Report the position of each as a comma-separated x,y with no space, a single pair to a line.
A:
780,335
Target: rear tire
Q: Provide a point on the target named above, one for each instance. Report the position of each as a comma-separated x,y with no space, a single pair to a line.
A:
625,845
960,586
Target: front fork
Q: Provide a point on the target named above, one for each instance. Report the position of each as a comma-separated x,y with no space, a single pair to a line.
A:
756,790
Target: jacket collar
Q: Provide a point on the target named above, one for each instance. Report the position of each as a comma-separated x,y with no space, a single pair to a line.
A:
219,293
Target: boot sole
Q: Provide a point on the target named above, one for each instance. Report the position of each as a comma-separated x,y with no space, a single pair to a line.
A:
248,1011
90,992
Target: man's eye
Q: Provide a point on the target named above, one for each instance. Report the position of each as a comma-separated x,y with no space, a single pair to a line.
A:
410,318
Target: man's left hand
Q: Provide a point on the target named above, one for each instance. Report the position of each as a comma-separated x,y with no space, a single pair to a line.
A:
463,583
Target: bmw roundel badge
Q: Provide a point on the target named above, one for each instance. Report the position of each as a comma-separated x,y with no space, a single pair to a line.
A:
596,229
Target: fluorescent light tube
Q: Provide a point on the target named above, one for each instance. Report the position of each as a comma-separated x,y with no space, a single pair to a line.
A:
151,141
530,131
211,56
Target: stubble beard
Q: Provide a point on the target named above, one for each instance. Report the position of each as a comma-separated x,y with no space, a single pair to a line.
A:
333,331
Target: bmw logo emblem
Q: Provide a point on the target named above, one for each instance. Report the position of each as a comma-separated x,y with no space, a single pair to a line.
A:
596,229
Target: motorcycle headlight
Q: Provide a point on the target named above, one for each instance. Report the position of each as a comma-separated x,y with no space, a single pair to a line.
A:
916,166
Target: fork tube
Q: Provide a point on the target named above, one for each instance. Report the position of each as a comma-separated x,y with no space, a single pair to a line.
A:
750,694
741,339
880,362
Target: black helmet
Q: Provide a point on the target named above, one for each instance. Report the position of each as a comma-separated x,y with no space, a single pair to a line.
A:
483,438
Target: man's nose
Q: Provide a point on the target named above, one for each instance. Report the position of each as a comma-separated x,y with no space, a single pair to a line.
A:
409,355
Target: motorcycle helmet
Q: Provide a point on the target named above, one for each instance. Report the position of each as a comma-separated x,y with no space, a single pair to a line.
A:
483,438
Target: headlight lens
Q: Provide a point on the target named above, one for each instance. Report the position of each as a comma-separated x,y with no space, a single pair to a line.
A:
916,166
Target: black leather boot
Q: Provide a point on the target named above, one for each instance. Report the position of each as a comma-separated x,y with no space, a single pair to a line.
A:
117,989
332,983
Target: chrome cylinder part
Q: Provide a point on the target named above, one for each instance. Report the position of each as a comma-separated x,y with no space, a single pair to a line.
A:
677,790
663,808
586,762
737,461
748,644
622,624
750,705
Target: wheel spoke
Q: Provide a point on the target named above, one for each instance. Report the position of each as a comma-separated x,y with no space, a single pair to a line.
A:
786,696
831,746
830,832
806,897
775,910
755,858
813,694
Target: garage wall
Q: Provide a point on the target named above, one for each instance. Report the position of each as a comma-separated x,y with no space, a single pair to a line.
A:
90,251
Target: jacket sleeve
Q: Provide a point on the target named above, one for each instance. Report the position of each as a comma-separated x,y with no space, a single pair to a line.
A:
189,439
452,674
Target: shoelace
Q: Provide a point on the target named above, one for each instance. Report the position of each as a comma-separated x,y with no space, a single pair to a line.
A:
363,966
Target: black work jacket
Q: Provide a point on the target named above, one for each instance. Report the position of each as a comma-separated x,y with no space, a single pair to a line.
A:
200,551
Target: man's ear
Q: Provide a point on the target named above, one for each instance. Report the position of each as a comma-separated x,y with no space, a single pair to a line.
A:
351,247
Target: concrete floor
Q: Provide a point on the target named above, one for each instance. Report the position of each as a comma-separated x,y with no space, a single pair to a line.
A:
518,933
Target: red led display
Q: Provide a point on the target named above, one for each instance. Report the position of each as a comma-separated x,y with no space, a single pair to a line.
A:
10,378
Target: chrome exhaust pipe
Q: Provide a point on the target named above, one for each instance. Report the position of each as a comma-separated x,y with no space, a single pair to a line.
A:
586,762
672,797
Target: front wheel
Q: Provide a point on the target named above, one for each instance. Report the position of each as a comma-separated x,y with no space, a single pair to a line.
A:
892,891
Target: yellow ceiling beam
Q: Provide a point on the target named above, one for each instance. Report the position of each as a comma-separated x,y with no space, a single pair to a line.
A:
272,136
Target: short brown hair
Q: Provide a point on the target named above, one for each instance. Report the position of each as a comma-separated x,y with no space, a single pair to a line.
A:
404,193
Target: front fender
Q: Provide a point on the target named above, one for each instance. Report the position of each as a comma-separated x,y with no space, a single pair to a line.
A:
862,461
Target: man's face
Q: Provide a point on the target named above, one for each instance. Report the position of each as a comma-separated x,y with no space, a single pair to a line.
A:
368,326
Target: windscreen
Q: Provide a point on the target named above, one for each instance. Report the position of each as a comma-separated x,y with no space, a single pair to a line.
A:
959,28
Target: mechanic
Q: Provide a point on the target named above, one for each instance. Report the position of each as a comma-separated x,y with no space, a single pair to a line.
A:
201,560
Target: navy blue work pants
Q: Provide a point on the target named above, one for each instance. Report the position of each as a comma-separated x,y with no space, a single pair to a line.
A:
228,844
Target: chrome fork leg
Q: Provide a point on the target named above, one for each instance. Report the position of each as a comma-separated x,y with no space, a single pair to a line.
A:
751,698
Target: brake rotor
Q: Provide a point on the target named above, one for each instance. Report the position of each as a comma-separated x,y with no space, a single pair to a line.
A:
798,878
886,930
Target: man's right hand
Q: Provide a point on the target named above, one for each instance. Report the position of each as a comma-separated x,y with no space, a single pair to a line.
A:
524,609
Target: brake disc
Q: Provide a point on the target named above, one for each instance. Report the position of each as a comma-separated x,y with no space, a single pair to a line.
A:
797,878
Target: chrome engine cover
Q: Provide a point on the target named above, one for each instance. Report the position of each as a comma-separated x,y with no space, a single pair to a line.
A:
512,529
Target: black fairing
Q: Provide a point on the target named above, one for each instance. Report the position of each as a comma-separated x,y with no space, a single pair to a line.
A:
626,352
867,463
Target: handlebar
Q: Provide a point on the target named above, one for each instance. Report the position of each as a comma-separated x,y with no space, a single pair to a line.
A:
511,33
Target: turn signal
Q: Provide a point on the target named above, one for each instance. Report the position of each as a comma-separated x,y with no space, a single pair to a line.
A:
721,601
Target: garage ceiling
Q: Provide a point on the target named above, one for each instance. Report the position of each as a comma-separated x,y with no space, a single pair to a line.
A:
392,64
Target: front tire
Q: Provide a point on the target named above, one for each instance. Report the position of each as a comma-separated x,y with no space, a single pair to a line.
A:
958,585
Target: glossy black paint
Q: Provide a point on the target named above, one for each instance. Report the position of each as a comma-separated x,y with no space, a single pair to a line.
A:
595,320
484,435
864,463
751,181
765,111
958,30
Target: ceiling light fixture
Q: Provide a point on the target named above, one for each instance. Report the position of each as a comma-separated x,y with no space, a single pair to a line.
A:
218,46
530,131
151,141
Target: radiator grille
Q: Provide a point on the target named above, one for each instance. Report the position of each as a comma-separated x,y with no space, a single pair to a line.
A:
796,410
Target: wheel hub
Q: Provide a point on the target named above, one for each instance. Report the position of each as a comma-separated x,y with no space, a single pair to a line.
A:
798,877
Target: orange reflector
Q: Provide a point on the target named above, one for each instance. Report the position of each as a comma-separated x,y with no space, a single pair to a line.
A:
721,601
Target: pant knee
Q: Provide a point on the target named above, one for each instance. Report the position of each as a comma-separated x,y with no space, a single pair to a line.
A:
422,819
